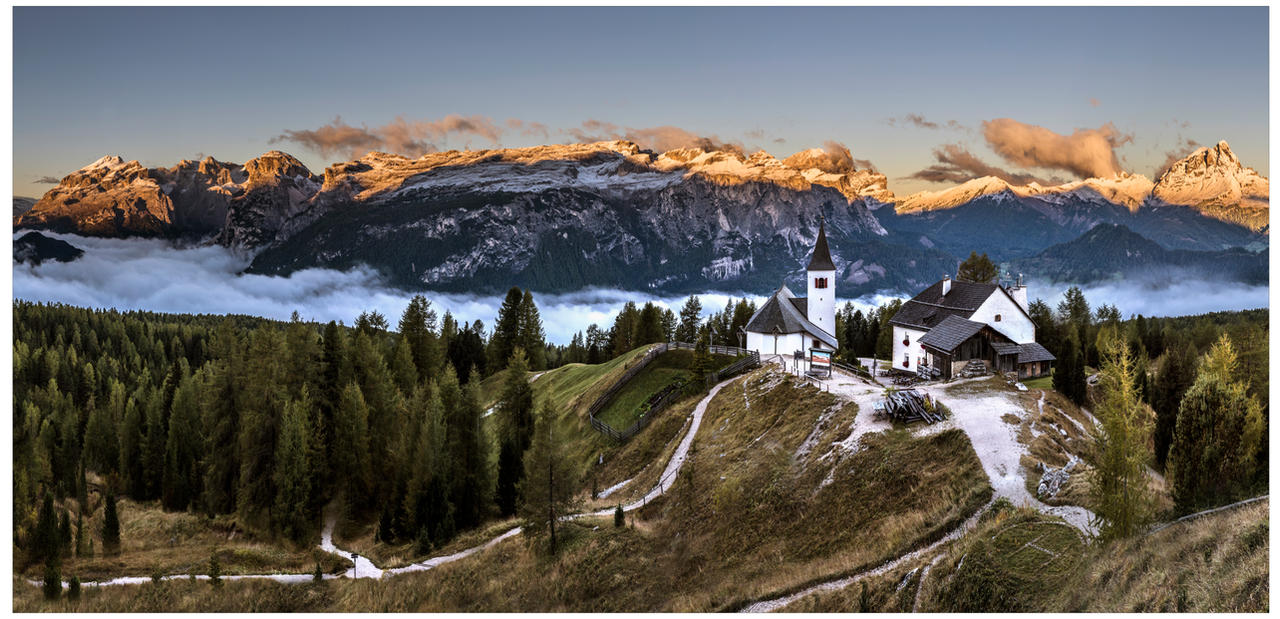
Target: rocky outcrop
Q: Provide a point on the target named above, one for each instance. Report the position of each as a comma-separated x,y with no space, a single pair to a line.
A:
277,189
1213,181
35,248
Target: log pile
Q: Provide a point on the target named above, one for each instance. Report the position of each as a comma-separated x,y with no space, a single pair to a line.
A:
909,405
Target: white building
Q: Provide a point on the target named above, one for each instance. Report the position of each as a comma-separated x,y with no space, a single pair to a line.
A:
954,322
786,323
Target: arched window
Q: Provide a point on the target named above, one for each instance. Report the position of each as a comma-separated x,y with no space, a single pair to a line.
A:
819,282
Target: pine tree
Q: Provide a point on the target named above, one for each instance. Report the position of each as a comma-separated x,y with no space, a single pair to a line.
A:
515,418
1119,486
64,534
619,518
1218,434
52,581
550,480
700,366
110,526
182,471
102,447
45,547
73,588
418,329
131,441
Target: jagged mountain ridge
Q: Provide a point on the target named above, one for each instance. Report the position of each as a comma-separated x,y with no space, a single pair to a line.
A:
1210,180
605,214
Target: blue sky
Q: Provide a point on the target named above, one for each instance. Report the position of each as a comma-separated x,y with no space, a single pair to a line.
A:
163,84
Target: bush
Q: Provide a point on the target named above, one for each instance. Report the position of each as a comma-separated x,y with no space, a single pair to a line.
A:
618,517
318,575
215,570
73,589
52,581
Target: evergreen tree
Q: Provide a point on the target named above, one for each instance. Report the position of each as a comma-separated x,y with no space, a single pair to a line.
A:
182,471
979,269
700,366
1123,501
350,460
293,470
669,324
515,416
110,526
1213,458
101,440
530,335
64,534
45,546
52,586
506,331
622,335
418,329
215,570
131,441
1171,384
690,320
466,450
550,480
649,326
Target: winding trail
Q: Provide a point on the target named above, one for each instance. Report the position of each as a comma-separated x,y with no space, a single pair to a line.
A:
364,568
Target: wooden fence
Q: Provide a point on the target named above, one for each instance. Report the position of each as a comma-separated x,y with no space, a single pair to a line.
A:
750,359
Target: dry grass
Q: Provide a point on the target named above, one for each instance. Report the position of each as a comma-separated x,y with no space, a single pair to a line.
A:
181,543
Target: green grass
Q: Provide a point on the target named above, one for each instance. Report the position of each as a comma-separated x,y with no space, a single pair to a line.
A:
1044,382
624,409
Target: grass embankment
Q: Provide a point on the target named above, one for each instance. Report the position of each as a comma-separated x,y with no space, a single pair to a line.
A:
671,366
768,504
153,540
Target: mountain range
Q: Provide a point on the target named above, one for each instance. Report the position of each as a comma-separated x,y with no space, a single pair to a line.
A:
610,214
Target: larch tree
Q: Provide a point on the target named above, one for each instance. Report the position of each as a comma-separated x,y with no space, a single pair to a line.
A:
350,459
293,470
1123,500
515,419
550,480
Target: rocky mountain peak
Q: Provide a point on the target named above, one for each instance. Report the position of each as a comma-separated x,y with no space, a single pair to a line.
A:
271,166
1213,180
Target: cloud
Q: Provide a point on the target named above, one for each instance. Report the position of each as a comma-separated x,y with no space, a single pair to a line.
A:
955,164
1166,294
1094,102
779,140
1179,152
47,180
411,138
754,134
659,139
529,128
918,120
1085,153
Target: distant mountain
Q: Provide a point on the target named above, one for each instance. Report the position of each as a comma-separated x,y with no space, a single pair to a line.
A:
22,205
1111,252
36,248
563,217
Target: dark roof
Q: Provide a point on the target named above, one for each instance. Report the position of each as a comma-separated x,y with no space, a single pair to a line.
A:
1032,352
821,260
950,333
1006,348
784,313
930,307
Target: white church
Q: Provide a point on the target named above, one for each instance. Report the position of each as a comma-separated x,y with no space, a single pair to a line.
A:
786,323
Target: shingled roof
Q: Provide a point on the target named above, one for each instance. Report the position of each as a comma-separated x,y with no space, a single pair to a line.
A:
1032,352
929,308
950,333
821,260
784,313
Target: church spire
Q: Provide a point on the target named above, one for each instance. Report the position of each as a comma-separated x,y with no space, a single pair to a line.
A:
821,260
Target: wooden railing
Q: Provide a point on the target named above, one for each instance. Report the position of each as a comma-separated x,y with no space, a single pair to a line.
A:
749,359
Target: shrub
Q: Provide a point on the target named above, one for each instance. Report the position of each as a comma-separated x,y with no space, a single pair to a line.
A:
215,570
317,575
52,581
618,517
73,589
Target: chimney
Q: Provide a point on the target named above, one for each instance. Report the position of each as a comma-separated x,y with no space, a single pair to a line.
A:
1019,294
946,285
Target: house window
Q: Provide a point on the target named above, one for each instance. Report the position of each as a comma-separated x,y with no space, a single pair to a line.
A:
906,341
820,282
906,359
817,344
997,317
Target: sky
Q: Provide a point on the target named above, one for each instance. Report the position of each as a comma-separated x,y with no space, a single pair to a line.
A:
928,96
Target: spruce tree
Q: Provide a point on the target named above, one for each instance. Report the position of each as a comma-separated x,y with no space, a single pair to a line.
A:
1219,431
182,471
44,543
506,331
52,586
1171,384
351,467
977,268
530,334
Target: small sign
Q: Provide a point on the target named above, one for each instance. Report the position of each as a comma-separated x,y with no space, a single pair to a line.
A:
820,358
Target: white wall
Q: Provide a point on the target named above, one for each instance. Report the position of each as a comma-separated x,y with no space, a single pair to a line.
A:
1013,323
784,344
912,349
822,302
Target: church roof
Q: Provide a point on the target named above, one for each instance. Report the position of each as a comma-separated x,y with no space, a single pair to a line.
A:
821,260
785,313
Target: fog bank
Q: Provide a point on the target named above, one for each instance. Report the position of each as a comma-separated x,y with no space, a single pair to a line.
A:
153,275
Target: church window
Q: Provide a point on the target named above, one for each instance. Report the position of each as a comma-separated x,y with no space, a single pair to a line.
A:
997,317
820,282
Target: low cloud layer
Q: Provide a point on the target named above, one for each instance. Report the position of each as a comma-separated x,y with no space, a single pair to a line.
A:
659,139
955,164
410,138
1085,153
153,275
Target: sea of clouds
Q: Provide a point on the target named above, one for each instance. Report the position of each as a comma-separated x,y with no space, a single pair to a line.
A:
156,276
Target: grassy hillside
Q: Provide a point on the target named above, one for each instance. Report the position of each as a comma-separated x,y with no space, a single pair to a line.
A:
665,369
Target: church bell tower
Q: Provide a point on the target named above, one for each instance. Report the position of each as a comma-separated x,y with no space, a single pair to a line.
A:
822,284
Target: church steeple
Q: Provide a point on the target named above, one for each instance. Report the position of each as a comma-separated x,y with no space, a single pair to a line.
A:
821,260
